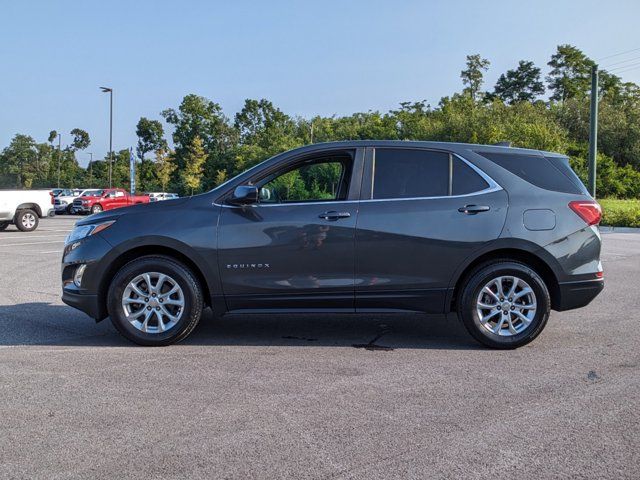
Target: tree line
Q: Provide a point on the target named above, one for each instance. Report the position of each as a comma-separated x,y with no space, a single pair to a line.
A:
209,147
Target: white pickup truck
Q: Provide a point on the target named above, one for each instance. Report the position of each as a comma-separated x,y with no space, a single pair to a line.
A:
24,208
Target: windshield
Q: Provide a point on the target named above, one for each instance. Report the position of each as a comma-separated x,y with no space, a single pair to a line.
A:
92,193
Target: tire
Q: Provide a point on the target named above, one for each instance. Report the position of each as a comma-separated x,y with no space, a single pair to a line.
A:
129,320
96,209
69,210
26,220
500,330
3,225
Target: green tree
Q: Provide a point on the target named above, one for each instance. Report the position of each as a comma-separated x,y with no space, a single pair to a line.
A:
18,162
570,74
80,140
164,167
473,75
195,159
520,85
150,137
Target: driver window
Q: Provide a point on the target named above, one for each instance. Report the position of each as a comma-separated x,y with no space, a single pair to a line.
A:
318,180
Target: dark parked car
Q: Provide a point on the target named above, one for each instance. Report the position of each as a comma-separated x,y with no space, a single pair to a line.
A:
500,235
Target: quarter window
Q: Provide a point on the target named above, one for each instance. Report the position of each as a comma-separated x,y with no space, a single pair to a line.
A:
465,179
537,170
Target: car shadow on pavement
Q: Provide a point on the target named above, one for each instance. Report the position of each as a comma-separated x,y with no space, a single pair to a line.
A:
41,323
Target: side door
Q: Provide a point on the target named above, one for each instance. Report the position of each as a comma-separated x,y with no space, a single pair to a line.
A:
422,213
117,199
295,247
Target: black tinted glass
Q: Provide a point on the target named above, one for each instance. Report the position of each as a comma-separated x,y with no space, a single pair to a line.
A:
465,179
406,173
562,164
535,169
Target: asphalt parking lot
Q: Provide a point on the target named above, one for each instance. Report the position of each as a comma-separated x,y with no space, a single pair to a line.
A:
292,397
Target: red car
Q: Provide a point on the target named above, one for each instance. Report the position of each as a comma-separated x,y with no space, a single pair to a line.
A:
108,199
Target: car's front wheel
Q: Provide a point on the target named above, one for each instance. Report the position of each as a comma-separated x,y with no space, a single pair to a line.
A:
96,209
26,220
155,300
504,304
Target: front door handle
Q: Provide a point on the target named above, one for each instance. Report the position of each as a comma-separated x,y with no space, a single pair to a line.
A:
333,215
473,209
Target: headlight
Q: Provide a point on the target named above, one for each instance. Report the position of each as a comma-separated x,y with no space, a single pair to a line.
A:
82,231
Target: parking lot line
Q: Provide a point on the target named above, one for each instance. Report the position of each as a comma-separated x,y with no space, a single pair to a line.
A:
29,243
29,237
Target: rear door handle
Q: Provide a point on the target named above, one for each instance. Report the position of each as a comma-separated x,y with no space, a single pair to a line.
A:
473,209
333,215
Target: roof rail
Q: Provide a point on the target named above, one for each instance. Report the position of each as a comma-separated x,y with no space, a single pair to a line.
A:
502,144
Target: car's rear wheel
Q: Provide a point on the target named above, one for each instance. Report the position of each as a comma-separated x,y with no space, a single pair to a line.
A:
26,220
155,301
96,209
504,304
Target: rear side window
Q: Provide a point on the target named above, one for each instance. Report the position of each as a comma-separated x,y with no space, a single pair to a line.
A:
407,173
535,169
465,180
562,164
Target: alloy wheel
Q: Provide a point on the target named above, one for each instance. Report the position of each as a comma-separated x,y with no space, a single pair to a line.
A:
506,306
153,302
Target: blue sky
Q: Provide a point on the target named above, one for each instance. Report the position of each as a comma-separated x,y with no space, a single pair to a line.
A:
323,57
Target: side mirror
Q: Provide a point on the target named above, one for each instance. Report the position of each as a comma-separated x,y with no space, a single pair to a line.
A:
244,195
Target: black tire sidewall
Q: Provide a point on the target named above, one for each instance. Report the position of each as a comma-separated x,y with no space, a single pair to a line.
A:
470,292
3,225
185,279
19,217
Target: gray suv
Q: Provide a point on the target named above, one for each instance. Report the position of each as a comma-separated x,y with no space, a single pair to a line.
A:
499,235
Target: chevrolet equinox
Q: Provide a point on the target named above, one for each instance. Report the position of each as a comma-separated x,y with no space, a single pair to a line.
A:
499,235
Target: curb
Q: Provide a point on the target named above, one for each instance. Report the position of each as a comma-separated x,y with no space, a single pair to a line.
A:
606,229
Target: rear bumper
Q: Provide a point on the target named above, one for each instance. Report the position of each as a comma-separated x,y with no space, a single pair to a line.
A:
578,294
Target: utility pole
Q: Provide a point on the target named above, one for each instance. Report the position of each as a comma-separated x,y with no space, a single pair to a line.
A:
59,155
593,131
110,92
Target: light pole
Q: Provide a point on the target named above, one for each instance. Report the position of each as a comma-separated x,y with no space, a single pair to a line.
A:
110,92
90,168
59,155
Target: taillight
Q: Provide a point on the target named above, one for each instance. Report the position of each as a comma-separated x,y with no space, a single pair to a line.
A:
587,210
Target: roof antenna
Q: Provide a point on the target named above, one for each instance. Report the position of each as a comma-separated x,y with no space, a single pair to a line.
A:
503,144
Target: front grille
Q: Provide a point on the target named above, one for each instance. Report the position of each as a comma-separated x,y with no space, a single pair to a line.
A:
77,203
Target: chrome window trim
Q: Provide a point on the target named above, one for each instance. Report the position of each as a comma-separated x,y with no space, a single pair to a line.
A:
493,187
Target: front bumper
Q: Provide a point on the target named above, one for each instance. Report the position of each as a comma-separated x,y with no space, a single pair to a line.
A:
81,208
89,251
578,294
86,303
